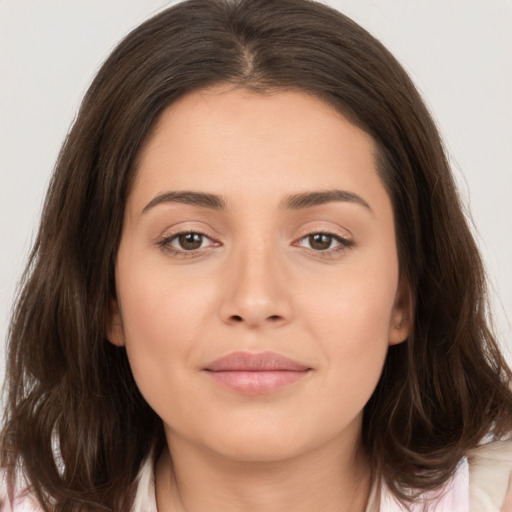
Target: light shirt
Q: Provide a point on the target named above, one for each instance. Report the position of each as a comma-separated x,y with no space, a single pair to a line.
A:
482,483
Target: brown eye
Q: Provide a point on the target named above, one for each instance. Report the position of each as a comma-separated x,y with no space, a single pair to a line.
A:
190,241
187,243
320,241
325,244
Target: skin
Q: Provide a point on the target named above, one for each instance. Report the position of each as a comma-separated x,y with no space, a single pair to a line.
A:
257,283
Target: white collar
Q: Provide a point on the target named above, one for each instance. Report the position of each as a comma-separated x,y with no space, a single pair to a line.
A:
145,497
453,497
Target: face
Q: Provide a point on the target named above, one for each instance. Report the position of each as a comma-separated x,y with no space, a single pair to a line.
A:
257,276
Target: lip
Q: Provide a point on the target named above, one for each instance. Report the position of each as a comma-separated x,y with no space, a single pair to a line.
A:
256,373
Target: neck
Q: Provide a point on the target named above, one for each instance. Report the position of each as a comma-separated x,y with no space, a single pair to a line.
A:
328,478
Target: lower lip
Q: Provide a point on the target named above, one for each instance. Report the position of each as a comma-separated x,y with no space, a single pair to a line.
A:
256,382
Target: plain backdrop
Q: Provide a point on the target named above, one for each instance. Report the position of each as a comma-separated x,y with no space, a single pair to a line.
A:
459,53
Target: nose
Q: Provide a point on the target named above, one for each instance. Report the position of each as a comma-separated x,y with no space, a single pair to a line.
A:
255,292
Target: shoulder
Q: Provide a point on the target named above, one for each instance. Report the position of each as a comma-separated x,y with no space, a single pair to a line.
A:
19,505
144,500
23,502
490,474
482,483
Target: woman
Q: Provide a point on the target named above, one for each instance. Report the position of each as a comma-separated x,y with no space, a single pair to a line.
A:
253,287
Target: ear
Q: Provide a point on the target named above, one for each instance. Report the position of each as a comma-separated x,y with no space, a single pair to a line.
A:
115,329
401,316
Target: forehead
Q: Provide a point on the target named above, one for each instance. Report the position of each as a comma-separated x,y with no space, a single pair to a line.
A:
225,140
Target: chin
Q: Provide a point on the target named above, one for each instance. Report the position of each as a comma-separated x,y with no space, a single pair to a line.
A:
265,441
259,448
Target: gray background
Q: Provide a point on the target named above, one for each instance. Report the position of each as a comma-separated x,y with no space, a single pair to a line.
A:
459,53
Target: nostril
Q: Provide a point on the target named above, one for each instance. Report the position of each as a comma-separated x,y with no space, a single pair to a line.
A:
237,319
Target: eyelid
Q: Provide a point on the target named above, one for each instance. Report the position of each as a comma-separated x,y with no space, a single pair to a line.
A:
324,227
187,227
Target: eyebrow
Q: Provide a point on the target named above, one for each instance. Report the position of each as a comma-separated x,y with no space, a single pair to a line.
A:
201,199
310,199
294,202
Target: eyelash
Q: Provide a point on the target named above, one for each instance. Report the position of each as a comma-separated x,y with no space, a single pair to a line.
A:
343,244
165,244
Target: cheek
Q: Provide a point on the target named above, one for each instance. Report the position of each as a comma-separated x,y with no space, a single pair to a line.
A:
349,317
161,326
354,303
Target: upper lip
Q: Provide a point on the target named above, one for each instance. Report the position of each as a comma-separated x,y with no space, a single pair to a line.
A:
254,362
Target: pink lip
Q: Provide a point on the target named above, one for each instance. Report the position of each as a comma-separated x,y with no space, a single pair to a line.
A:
255,374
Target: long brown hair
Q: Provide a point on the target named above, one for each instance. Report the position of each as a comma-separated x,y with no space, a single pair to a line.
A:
75,422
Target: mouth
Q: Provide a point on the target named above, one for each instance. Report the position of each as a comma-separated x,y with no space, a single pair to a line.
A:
256,374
